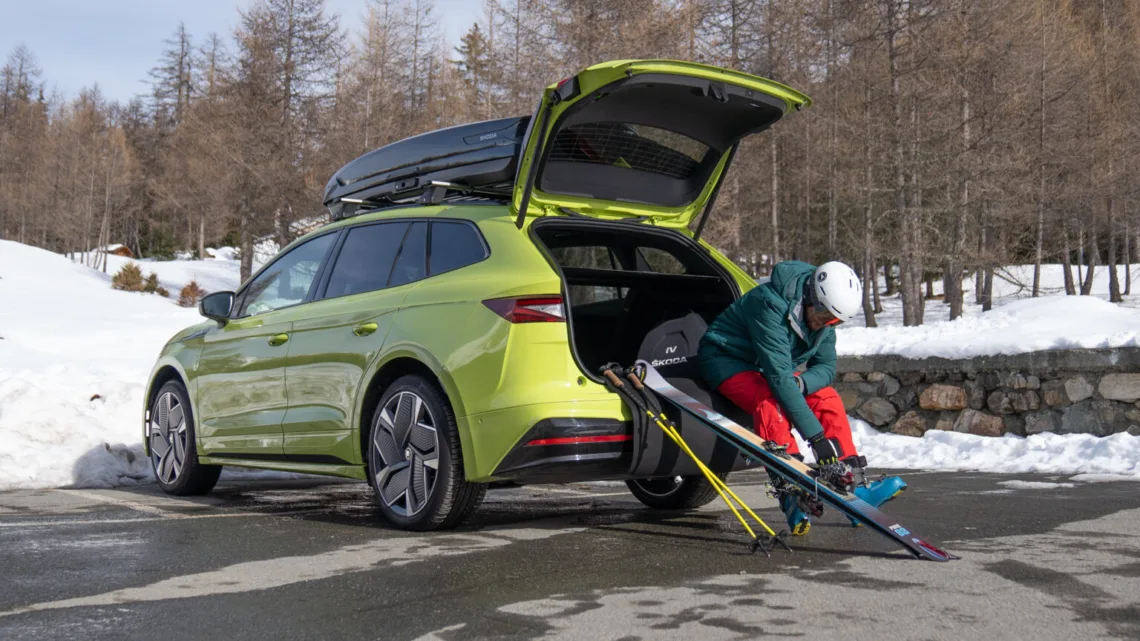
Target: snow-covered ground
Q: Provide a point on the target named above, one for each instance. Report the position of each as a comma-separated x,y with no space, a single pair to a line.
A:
213,274
1090,458
75,354
74,357
1017,323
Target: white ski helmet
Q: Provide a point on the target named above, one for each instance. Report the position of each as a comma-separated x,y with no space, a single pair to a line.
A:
838,289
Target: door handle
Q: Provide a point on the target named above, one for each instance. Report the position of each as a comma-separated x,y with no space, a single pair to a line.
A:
278,339
364,329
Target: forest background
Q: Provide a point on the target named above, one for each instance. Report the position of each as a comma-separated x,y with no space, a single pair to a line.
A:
947,137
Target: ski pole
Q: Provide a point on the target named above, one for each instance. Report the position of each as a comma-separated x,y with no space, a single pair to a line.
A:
713,480
718,484
676,438
651,400
708,475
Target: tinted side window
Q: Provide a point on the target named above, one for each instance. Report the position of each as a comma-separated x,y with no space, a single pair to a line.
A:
287,281
412,263
588,257
454,245
659,260
365,260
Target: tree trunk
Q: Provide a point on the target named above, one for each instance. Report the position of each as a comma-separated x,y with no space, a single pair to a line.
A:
988,286
105,227
875,271
1127,260
281,228
871,304
915,215
911,294
891,282
948,292
1090,271
953,276
1067,262
870,291
979,276
1108,129
987,282
1040,239
1113,280
246,238
1080,250
929,285
775,195
832,135
202,235
803,245
88,249
953,287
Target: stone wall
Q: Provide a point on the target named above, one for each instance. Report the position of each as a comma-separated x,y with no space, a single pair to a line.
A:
1063,391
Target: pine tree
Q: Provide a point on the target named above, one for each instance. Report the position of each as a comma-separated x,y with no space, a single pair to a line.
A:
474,66
172,81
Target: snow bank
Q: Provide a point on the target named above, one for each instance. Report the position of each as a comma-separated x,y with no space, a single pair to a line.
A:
220,271
222,253
1017,323
74,358
1052,322
1081,454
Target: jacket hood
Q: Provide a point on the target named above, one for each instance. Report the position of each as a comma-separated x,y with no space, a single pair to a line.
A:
788,281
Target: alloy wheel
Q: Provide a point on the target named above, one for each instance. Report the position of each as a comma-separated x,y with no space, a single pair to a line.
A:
168,438
407,446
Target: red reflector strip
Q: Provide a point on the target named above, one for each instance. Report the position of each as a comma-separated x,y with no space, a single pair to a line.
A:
574,440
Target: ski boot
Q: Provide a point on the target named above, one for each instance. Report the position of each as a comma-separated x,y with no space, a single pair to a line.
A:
874,492
878,492
798,521
796,506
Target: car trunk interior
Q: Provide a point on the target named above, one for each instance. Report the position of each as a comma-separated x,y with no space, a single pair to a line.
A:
623,279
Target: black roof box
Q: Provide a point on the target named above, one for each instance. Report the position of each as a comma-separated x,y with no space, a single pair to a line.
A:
479,157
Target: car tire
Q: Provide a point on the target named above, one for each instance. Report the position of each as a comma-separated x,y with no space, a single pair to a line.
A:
415,464
173,446
674,493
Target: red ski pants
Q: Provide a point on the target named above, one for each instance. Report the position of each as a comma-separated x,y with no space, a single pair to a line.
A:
750,392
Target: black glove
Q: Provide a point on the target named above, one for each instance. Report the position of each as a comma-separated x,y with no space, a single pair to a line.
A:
827,450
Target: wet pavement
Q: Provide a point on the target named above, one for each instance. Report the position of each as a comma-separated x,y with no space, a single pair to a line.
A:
1043,558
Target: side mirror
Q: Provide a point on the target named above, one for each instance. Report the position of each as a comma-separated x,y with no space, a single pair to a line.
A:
217,306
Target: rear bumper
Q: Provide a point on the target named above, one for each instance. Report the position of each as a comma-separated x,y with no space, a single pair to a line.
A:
491,439
564,450
591,438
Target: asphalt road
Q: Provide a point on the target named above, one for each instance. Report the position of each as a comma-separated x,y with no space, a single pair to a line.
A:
311,560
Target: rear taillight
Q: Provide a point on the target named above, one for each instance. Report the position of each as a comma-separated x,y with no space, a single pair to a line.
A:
529,309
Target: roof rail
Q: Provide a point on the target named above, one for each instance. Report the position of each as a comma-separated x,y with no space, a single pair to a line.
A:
434,192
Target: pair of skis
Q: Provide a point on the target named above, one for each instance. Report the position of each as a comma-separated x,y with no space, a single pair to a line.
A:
790,469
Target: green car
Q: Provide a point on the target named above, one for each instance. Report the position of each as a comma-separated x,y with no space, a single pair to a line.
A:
446,330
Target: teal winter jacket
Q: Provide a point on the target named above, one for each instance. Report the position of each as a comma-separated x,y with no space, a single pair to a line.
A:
765,331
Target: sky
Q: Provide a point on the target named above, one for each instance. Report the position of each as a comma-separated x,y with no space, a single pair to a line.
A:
115,42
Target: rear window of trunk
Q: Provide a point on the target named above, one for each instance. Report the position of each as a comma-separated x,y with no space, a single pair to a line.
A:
629,146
